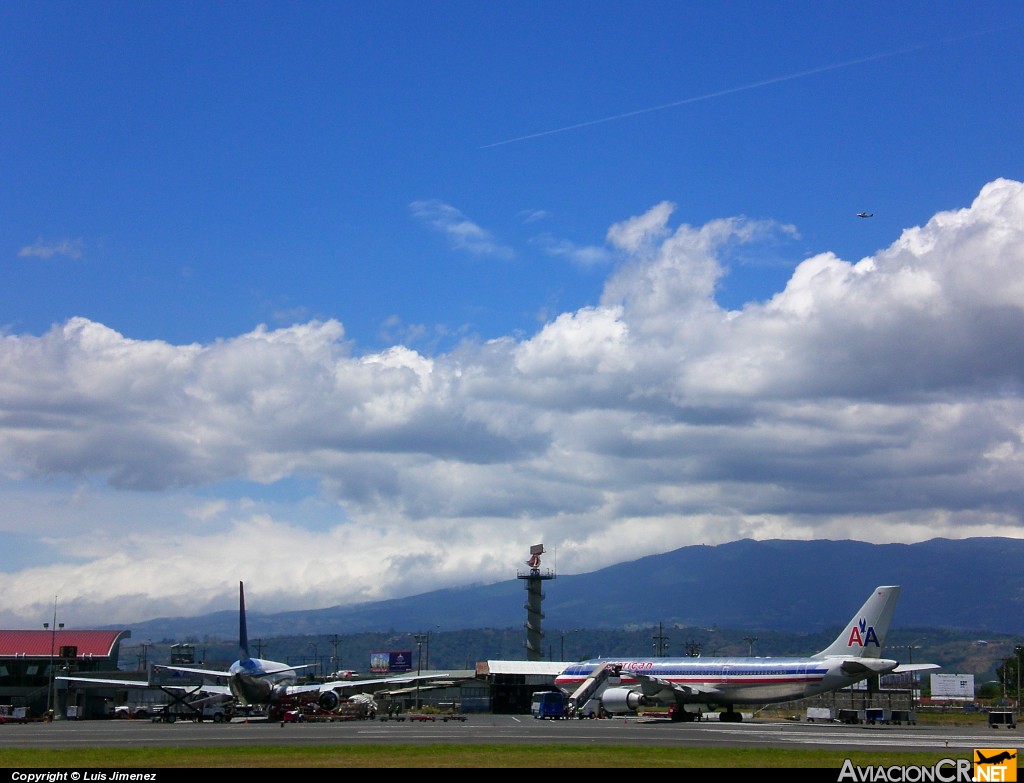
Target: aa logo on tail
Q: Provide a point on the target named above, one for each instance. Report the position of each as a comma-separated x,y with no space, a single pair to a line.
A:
995,764
862,634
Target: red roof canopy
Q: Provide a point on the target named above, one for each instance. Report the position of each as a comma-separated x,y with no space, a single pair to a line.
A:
44,643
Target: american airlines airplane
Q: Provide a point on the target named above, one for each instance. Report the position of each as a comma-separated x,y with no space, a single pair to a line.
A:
693,685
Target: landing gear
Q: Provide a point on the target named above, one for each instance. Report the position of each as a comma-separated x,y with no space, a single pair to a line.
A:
679,715
730,716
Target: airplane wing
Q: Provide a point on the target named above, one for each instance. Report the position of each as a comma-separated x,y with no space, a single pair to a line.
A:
220,690
225,674
915,667
652,686
191,670
117,682
295,668
338,685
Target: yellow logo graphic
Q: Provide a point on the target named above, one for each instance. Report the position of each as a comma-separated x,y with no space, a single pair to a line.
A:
995,764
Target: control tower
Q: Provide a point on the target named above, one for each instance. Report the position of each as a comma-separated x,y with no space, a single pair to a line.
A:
534,578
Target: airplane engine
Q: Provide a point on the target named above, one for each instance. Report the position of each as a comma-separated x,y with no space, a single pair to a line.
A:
329,701
276,693
622,700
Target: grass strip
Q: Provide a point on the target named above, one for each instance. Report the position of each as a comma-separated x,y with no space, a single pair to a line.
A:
458,756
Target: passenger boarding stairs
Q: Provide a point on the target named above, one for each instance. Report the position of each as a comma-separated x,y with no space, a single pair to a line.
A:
590,686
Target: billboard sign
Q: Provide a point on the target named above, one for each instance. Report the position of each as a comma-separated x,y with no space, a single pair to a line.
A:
391,661
953,686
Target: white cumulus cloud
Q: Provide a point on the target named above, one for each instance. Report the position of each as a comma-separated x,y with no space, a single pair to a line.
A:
878,399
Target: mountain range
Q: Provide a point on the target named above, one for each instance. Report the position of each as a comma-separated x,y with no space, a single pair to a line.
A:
972,584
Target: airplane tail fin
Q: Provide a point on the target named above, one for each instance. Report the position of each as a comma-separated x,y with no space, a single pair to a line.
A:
864,636
243,636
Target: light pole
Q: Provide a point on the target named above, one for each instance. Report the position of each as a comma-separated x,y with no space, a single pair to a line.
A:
561,654
660,642
913,677
420,639
426,666
51,700
316,660
1020,652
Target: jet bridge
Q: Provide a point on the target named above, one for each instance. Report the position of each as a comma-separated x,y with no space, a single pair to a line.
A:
579,701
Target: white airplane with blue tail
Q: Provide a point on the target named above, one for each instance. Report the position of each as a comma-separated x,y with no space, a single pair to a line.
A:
260,682
250,682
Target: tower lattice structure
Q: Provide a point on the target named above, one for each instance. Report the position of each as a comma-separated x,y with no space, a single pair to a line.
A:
534,579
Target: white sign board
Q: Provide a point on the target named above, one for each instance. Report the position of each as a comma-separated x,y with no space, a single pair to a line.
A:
952,686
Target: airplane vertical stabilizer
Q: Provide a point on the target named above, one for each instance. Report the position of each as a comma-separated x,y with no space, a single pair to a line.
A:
864,636
243,635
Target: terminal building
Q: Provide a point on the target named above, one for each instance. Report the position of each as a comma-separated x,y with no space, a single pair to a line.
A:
30,662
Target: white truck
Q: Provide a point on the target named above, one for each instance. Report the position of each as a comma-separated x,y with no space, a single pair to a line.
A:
819,713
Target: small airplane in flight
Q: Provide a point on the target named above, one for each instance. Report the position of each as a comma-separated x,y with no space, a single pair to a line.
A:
252,682
692,685
865,214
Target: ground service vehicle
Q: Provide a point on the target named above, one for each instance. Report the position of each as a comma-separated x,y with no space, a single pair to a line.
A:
548,704
218,713
997,718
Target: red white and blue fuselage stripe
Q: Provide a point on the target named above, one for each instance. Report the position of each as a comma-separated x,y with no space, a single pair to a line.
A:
764,678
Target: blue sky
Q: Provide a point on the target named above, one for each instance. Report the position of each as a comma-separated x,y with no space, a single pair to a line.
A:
354,301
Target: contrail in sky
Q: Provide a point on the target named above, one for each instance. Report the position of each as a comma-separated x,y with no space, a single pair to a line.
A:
730,91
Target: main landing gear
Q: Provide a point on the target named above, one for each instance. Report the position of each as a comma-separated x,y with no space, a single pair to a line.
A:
679,715
730,716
